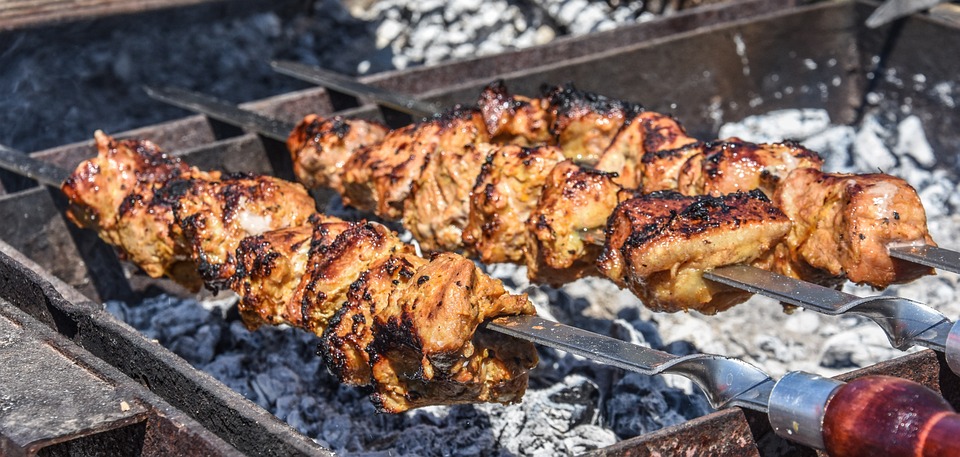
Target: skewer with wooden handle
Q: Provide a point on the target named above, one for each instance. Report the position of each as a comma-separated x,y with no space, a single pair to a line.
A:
867,417
931,256
802,407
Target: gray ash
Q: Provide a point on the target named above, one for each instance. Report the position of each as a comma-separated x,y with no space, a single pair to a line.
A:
572,406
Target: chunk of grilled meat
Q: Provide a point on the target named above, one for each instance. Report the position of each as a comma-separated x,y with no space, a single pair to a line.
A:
661,169
405,325
380,177
320,147
843,224
515,119
439,203
585,123
575,200
658,245
114,194
215,215
98,186
426,345
646,133
734,165
506,193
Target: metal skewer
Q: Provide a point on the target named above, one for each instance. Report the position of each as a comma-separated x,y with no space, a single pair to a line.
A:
400,102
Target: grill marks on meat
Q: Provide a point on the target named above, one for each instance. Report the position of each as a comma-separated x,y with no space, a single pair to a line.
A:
439,202
100,185
380,177
120,194
645,133
658,245
844,223
405,326
585,123
426,344
505,194
734,165
216,215
320,147
575,200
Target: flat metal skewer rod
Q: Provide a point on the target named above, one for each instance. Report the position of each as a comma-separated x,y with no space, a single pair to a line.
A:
24,165
905,322
726,381
222,111
400,102
931,256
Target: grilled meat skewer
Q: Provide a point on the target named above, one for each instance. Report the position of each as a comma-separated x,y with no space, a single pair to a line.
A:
530,205
549,245
406,326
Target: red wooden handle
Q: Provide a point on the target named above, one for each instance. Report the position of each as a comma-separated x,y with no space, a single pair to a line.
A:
886,416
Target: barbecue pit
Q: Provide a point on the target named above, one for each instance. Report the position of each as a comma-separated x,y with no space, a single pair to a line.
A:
773,43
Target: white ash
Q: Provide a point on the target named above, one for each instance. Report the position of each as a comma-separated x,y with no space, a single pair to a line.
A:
429,32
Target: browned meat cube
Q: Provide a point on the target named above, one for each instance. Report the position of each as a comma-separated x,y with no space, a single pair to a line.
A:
505,194
427,348
319,147
647,132
437,207
515,119
733,165
98,186
658,245
216,215
661,169
585,123
844,223
575,201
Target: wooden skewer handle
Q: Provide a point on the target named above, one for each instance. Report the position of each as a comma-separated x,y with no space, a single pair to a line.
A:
886,416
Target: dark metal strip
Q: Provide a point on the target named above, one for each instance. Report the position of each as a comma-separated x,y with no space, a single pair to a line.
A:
223,111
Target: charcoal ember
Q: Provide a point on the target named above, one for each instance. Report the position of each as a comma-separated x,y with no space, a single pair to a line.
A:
640,404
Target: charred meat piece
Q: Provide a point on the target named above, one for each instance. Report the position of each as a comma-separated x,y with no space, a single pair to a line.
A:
268,272
426,348
437,207
321,146
148,235
585,123
380,177
504,196
350,330
575,201
115,193
661,169
658,245
515,119
844,223
215,215
647,132
730,166
98,186
336,262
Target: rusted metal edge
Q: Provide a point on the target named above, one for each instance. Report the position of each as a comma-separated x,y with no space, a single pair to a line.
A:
206,407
